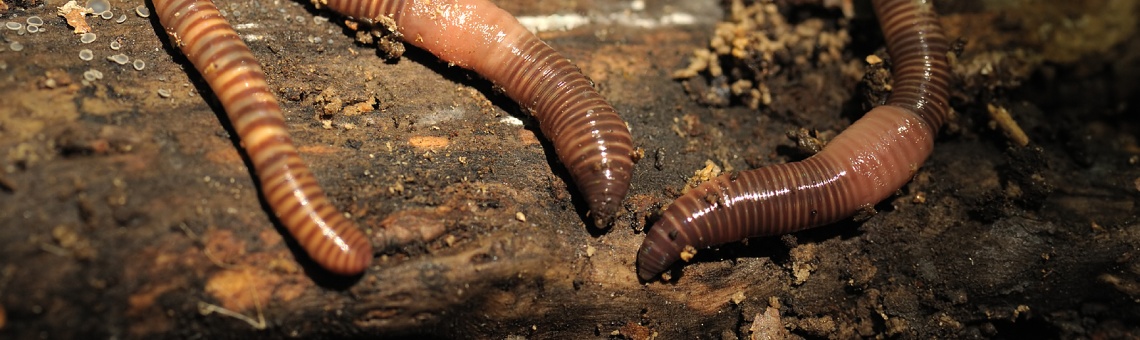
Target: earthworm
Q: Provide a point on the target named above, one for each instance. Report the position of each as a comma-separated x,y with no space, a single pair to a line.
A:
591,140
290,188
863,165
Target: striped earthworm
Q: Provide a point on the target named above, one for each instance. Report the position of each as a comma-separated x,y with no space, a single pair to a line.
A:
290,188
864,164
591,140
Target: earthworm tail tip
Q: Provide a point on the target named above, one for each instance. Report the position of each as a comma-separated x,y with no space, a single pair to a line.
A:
654,258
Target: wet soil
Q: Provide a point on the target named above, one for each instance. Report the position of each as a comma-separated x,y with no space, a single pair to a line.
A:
132,214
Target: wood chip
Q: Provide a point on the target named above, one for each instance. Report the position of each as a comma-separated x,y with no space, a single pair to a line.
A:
688,252
75,15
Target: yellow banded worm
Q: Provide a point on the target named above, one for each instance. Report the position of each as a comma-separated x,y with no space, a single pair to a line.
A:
290,188
591,140
863,165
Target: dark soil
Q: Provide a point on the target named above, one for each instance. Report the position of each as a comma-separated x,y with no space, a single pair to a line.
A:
128,214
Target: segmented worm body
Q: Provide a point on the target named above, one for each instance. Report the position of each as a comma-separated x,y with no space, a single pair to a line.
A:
864,164
589,137
591,140
235,76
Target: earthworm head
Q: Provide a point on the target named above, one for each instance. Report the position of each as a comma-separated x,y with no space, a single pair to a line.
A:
604,186
603,212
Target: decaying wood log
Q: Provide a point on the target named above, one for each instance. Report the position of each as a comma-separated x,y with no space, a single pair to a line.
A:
126,211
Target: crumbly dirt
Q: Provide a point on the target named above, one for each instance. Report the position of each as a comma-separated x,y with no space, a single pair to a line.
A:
127,210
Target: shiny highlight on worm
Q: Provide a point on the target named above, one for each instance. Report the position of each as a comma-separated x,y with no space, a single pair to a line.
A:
863,165
591,140
290,188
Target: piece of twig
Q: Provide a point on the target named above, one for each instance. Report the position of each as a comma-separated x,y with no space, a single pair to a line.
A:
1008,126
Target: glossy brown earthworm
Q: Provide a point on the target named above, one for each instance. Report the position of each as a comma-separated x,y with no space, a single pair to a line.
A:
591,140
863,165
289,187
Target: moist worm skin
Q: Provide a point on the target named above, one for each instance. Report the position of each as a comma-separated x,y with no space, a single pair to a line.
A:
290,188
869,161
588,135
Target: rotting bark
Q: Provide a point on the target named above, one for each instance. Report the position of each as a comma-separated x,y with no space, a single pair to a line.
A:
127,214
